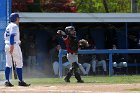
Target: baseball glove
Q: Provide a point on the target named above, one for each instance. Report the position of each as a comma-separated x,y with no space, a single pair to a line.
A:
83,43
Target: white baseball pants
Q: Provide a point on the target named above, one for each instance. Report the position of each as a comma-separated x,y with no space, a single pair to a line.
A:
17,56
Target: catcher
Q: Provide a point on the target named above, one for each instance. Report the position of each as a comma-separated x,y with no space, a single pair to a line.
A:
72,45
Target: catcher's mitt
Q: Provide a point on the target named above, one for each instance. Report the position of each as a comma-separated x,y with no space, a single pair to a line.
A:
83,43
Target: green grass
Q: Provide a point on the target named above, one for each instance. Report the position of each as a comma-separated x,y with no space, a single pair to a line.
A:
87,79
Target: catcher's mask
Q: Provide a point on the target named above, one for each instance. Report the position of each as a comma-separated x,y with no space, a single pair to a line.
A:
68,30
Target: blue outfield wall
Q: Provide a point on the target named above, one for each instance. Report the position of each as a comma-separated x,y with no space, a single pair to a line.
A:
5,10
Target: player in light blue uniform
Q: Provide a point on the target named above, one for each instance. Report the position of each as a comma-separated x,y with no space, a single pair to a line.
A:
12,49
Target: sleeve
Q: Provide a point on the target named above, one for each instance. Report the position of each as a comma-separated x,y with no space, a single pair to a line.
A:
13,33
14,30
12,39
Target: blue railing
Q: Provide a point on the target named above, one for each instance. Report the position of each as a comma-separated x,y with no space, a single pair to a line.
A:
105,51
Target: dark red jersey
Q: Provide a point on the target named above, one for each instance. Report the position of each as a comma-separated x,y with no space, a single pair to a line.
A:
71,44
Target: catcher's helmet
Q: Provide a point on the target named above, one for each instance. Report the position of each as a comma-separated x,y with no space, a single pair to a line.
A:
13,17
69,28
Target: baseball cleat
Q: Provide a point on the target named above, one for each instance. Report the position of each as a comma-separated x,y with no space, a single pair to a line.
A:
80,81
67,80
8,84
22,83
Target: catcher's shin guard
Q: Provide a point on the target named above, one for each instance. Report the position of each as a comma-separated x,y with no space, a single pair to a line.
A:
68,76
77,76
75,65
76,73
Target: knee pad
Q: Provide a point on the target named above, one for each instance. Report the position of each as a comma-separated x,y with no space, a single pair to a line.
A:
114,64
75,65
125,64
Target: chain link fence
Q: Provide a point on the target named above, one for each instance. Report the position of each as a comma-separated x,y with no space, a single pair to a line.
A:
2,65
5,7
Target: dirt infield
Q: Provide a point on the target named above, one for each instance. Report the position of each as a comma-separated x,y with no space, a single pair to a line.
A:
74,88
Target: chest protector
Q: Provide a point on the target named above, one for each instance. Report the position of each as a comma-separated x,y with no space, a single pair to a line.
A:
73,43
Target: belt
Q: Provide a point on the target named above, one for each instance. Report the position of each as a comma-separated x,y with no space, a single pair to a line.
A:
73,53
14,43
